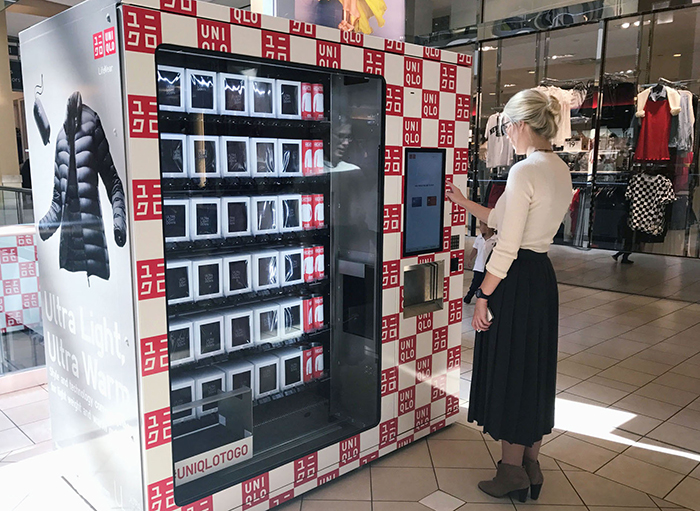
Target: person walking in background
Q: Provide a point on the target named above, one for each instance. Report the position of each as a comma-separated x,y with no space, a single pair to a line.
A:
516,313
481,250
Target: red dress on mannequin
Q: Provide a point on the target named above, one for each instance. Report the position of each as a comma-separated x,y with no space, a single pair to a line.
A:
655,132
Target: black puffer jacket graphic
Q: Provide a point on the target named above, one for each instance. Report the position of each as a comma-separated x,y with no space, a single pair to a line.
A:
82,157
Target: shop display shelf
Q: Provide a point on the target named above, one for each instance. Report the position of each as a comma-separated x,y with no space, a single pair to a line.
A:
197,187
284,395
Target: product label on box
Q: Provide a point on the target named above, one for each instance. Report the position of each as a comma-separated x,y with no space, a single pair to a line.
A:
307,151
319,216
212,461
319,263
318,157
309,265
308,364
317,91
318,361
306,101
307,214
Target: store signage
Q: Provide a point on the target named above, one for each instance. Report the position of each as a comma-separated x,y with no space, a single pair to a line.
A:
407,400
440,337
407,349
256,490
454,358
305,469
349,450
213,461
439,386
422,418
387,432
16,75
424,369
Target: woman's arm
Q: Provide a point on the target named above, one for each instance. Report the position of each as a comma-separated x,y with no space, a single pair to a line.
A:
455,195
480,322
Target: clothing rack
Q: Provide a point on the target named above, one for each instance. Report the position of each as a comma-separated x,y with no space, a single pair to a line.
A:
679,84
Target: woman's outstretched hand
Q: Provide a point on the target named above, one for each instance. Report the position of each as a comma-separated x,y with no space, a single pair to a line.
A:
454,194
480,321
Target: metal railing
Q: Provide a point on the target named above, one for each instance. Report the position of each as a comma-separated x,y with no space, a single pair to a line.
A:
16,206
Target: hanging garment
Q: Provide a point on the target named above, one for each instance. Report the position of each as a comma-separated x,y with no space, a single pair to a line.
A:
568,100
573,209
655,130
648,197
499,151
674,99
683,125
82,158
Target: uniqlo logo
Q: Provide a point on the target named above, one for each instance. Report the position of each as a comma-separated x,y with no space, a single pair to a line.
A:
446,134
25,240
275,45
459,214
390,328
328,54
8,255
446,289
161,497
424,369
281,499
394,100
455,311
413,72
448,77
461,161
365,460
464,60
422,418
394,46
302,28
390,274
247,18
459,255
213,35
188,7
349,450
374,62
431,104
11,287
407,400
150,276
352,38
451,405
157,426
424,322
328,477
14,318
411,131
393,161
30,300
437,426
256,490
454,358
305,469
143,117
407,349
446,235
27,269
404,442
142,29
110,40
439,339
439,387
392,218
388,432
431,53
463,107
98,45
154,355
430,258
390,381
206,504
147,199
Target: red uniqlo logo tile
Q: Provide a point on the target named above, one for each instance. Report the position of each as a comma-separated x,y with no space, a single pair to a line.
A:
411,132
431,104
302,28
8,255
328,477
161,497
424,322
413,72
393,161
143,117
446,134
369,458
455,311
246,18
459,214
11,287
150,276
27,269
98,45
439,387
446,289
147,199
424,369
275,45
390,328
407,349
404,442
423,259
390,274
461,161
431,53
439,339
352,38
422,418
154,355
407,400
448,77
390,381
256,490
392,218
188,7
305,469
157,426
374,62
451,405
281,499
394,100
394,46
454,358
25,240
213,35
30,300
110,40
388,432
349,450
463,107
142,29
464,60
14,318
459,255
327,54
446,235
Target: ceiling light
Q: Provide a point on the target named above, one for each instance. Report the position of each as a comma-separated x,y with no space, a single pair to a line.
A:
636,23
509,85
625,25
488,48
531,72
676,54
492,93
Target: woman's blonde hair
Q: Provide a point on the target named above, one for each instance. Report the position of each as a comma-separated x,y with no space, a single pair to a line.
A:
536,108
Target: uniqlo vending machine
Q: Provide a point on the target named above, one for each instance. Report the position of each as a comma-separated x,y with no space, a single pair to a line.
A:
251,280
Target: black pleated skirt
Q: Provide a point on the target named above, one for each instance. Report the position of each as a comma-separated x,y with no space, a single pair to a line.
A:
515,362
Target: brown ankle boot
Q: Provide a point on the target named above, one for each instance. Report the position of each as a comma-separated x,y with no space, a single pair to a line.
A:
509,481
536,477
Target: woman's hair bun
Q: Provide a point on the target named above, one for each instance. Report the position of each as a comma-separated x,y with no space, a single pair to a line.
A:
541,111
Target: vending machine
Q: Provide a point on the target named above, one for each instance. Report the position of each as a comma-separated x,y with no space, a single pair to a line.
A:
250,277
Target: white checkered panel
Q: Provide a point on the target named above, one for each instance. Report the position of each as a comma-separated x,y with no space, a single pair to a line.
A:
20,301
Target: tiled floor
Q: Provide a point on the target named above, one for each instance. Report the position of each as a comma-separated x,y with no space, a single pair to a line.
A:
628,427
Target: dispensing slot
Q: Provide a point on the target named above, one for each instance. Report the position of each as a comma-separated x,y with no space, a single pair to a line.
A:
423,288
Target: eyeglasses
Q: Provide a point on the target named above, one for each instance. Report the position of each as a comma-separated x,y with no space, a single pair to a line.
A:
505,122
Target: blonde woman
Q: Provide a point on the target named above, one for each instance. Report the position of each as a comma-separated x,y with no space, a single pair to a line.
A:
515,354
